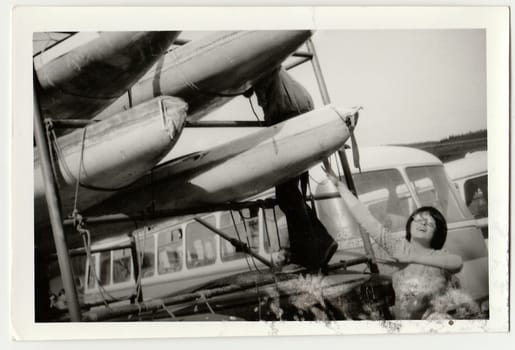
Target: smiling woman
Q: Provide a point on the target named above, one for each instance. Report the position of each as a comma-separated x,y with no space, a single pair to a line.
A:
427,227
425,269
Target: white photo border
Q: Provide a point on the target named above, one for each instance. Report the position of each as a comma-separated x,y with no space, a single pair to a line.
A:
27,20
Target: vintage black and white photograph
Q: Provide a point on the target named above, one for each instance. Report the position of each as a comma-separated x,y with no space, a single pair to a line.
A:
318,174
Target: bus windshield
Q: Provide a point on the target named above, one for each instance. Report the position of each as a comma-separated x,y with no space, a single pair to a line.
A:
434,189
388,198
386,195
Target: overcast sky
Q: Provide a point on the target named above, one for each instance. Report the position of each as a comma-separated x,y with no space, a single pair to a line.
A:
414,85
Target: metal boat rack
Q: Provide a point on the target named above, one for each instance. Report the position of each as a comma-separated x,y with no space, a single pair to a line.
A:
52,194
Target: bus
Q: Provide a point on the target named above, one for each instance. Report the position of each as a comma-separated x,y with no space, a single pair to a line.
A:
176,255
180,253
470,176
392,182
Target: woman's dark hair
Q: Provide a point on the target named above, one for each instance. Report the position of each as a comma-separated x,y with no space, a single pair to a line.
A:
440,234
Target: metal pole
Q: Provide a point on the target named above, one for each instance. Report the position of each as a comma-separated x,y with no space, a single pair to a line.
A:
223,124
343,157
296,63
55,213
164,214
318,73
238,244
320,80
83,252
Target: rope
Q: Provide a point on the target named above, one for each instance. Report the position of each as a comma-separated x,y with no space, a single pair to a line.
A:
247,239
276,229
211,93
355,150
259,299
139,310
86,235
351,125
68,172
86,238
59,154
168,311
204,299
246,231
238,235
265,226
254,111
79,223
107,189
141,256
79,170
49,130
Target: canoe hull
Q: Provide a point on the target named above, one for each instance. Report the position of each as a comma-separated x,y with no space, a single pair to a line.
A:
111,158
237,169
206,72
85,73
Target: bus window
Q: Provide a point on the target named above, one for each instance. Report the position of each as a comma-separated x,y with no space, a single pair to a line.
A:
122,265
200,244
246,230
146,250
476,196
277,237
105,268
386,196
169,251
433,189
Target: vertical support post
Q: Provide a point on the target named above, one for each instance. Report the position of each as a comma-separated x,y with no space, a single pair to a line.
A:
54,212
343,157
318,73
320,81
135,267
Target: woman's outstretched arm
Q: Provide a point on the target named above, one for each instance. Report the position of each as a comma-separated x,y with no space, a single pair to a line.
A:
399,249
363,216
437,258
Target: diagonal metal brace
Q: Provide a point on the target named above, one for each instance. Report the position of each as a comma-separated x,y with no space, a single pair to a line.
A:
238,244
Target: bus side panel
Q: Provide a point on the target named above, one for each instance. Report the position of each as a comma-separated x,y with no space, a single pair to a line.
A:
164,285
468,242
474,278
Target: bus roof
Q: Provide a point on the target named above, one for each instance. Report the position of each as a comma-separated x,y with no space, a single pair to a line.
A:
472,164
385,157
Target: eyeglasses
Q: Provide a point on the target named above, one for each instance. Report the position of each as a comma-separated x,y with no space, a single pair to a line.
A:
426,220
